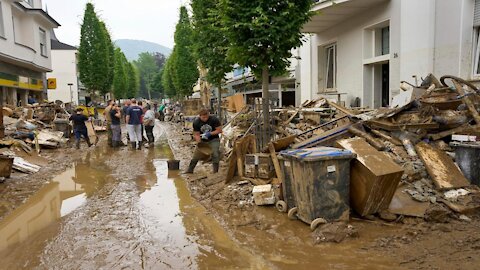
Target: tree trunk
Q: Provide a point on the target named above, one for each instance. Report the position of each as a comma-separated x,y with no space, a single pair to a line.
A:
219,102
265,102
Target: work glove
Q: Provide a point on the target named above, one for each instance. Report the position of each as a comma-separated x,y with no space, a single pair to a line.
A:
206,136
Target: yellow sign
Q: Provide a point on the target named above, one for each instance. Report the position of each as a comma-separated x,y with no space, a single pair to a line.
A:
52,83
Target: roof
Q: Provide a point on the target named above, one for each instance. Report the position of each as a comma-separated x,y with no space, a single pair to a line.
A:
57,45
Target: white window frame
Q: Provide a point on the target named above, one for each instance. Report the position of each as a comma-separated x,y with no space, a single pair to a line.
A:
476,51
30,2
43,42
327,62
2,22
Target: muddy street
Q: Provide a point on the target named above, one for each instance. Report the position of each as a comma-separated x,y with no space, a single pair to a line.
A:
124,210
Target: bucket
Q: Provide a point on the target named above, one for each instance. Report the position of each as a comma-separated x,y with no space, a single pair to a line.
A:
204,151
173,165
6,164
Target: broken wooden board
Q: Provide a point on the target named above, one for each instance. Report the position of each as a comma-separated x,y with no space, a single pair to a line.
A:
327,138
374,177
92,135
22,165
403,204
389,126
276,164
445,174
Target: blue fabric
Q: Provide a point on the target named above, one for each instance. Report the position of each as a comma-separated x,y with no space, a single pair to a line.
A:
135,113
79,133
316,152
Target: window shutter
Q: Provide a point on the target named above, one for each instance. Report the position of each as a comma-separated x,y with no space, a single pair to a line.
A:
476,17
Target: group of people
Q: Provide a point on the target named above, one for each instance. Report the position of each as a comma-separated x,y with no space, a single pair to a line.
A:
137,118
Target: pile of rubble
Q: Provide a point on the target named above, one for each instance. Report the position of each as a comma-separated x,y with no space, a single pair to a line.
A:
28,130
418,158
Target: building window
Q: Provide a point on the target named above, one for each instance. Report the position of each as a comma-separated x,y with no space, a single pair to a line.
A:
385,40
30,2
43,42
476,50
331,66
2,26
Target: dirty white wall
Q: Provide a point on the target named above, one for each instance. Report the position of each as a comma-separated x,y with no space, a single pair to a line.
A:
65,71
428,36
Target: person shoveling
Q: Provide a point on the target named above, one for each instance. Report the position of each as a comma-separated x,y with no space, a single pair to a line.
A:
206,130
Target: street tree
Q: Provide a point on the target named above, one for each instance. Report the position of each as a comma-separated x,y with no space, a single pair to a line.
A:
133,81
148,68
167,78
211,44
262,34
111,59
94,55
184,64
120,79
156,84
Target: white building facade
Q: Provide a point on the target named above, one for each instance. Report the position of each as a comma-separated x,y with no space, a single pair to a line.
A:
25,54
64,66
362,49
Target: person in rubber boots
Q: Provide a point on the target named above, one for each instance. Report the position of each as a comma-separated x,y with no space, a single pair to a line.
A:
79,127
206,128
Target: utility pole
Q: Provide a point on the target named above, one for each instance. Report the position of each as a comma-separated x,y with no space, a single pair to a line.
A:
71,94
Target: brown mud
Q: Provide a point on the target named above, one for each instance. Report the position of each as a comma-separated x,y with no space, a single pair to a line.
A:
124,210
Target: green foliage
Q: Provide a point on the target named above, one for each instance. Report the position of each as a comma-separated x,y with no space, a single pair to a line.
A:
167,79
263,33
183,64
156,84
120,79
133,77
211,43
148,67
94,54
111,59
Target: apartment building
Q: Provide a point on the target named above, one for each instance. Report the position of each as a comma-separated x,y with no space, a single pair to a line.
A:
25,54
361,50
64,64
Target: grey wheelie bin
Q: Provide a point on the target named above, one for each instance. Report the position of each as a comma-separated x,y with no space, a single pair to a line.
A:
467,156
321,184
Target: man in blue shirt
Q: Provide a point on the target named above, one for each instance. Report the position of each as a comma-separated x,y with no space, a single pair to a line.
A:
134,124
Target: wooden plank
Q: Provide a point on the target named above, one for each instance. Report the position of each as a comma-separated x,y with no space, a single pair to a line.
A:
92,135
327,138
293,116
276,164
340,108
385,125
445,174
385,136
232,167
240,158
403,204
374,142
452,131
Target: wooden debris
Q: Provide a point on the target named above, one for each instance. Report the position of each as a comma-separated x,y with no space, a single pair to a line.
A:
276,164
445,174
374,142
374,177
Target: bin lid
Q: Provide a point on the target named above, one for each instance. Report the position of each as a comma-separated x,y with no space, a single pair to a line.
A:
465,144
318,153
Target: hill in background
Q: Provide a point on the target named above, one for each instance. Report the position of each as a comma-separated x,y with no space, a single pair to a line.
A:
132,48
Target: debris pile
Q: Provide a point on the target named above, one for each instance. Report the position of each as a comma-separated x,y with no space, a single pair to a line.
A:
417,158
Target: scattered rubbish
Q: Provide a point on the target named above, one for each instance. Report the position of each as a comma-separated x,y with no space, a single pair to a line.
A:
263,195
453,194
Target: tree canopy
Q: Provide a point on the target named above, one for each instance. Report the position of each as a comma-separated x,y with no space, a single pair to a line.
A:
95,56
183,63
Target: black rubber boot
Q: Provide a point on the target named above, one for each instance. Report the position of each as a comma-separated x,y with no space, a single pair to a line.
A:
77,144
134,145
215,167
88,142
191,166
139,146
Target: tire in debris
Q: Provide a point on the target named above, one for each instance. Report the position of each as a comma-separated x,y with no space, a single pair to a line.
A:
281,206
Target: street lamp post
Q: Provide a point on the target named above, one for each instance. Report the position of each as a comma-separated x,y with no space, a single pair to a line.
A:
71,94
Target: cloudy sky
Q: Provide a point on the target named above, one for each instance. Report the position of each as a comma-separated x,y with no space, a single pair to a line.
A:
150,20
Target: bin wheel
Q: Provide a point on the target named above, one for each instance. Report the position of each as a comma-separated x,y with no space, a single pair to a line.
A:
292,213
317,222
281,206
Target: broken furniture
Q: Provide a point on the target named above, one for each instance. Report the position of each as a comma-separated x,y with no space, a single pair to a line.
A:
374,177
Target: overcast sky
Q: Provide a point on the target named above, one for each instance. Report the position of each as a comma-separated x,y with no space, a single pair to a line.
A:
150,20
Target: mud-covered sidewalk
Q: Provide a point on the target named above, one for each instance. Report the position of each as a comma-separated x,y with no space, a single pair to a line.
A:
122,209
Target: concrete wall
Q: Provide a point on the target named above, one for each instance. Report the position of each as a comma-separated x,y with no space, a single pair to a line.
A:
65,71
23,44
428,36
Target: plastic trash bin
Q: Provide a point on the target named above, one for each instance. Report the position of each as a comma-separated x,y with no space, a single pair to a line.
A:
467,156
63,125
321,184
287,185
